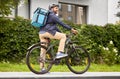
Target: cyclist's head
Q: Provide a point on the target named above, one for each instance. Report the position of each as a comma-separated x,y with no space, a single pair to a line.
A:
54,8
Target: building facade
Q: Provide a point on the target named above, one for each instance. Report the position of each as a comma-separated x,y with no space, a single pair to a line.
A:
26,10
98,12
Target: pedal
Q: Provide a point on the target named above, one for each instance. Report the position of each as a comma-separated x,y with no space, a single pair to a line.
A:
57,62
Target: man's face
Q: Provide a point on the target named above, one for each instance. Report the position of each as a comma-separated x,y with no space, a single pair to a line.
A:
55,10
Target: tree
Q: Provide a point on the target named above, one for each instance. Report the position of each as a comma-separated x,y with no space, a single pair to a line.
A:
6,6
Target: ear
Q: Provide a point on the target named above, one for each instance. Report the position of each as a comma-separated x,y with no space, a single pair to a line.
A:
52,9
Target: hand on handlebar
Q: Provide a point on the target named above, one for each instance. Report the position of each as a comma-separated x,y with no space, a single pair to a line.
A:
74,31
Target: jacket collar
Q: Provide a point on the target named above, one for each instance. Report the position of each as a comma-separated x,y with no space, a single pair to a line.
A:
52,12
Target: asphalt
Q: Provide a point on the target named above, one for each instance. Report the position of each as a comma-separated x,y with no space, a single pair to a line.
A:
60,75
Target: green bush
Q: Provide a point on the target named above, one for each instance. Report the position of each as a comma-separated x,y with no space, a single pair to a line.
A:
16,36
96,37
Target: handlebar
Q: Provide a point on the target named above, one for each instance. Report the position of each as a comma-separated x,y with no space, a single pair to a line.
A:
69,35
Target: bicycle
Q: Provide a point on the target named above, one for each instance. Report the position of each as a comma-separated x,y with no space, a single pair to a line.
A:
78,59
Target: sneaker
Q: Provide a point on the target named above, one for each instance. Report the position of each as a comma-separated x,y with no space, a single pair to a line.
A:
60,55
42,70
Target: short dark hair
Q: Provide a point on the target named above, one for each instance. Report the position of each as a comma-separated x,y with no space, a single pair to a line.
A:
52,6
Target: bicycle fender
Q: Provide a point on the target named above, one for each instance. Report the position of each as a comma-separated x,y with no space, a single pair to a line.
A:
30,47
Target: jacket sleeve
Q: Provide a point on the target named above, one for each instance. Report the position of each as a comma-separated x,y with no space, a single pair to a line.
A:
57,20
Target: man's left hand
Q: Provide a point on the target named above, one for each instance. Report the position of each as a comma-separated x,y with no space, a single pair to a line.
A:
74,31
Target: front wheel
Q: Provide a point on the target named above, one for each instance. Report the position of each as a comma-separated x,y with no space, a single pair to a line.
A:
78,60
33,59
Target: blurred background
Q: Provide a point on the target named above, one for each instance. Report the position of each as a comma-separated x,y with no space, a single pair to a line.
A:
97,12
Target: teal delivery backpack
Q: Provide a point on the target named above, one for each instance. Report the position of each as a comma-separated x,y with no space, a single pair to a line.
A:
40,17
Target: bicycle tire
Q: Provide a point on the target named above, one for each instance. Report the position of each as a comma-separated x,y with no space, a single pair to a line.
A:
29,59
76,63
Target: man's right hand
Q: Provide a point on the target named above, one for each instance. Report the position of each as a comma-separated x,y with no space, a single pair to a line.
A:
74,31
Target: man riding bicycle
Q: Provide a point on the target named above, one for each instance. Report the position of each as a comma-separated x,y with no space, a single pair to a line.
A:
51,31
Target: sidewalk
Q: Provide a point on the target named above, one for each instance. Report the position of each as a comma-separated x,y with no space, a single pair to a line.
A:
60,75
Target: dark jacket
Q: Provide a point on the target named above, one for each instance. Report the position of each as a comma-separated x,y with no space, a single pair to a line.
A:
52,21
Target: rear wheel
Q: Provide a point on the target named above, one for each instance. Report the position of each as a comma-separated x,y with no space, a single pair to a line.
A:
33,59
78,60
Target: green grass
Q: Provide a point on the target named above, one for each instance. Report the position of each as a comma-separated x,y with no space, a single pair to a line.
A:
93,68
9,67
104,68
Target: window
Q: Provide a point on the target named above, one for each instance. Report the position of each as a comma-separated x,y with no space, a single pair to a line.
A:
80,15
70,18
60,16
60,6
69,8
